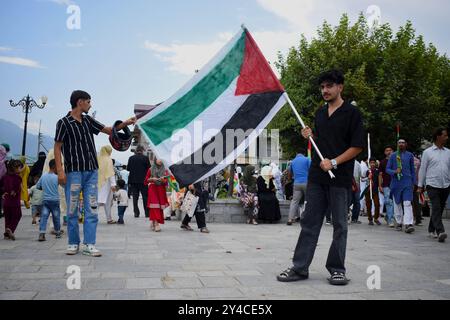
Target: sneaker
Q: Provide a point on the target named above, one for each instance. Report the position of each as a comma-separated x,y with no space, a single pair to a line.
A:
120,222
58,235
409,228
289,223
72,249
41,237
399,227
370,223
204,230
356,222
433,235
91,250
328,223
391,225
442,236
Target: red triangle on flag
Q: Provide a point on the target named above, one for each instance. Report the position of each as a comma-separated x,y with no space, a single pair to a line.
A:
256,75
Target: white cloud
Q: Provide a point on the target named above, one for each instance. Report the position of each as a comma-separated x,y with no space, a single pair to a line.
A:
3,49
20,61
188,57
297,13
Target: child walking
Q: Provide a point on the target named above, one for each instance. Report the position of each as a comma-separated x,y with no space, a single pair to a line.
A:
11,186
36,197
200,210
49,184
122,200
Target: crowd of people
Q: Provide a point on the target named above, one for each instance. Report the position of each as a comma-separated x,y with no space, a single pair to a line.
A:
76,181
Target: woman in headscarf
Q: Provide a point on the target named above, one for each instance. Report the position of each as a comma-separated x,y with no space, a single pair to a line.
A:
106,181
248,196
38,167
156,180
2,172
269,206
276,174
24,173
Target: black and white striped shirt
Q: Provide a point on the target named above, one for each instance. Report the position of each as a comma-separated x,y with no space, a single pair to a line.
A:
78,146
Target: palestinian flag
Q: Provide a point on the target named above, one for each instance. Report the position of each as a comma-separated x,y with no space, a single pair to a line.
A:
237,89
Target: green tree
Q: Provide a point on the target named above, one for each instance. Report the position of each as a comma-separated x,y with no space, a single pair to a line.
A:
393,78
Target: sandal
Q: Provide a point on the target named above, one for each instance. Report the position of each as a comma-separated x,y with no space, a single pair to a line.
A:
290,275
254,222
157,228
204,230
186,227
152,226
338,279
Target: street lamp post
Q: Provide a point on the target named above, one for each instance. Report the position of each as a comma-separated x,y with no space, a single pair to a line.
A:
27,103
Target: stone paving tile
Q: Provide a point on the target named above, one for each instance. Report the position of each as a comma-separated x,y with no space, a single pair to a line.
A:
144,283
172,283
140,264
171,294
215,293
17,295
127,295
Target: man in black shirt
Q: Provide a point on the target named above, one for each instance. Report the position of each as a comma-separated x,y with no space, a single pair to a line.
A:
138,166
339,135
74,138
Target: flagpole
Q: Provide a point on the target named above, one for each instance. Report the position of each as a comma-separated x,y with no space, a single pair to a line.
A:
369,154
303,126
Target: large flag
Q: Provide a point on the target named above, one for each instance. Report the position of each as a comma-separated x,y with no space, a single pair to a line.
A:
237,89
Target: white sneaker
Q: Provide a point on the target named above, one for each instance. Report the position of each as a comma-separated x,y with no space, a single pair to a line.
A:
72,249
433,235
91,250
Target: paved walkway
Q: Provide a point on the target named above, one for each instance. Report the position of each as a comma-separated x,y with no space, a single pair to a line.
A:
234,261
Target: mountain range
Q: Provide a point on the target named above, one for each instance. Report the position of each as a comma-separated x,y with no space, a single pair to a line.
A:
12,134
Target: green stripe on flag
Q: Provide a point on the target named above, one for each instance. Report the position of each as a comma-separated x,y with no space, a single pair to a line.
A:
199,98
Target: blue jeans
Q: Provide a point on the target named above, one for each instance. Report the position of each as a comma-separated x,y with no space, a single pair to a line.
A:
47,207
319,198
389,205
86,182
121,212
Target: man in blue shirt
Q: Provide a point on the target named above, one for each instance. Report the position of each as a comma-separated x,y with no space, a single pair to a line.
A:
49,184
299,169
402,183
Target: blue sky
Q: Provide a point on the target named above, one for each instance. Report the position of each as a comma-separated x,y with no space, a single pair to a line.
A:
142,51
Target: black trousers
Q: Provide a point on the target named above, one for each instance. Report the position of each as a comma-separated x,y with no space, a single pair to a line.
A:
417,208
199,217
319,198
438,198
135,189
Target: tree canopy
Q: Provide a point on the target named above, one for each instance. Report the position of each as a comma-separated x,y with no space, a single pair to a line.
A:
393,78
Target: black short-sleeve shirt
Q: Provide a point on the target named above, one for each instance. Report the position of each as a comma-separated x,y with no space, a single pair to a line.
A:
333,136
78,146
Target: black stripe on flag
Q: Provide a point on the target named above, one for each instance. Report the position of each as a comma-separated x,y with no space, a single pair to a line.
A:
255,108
